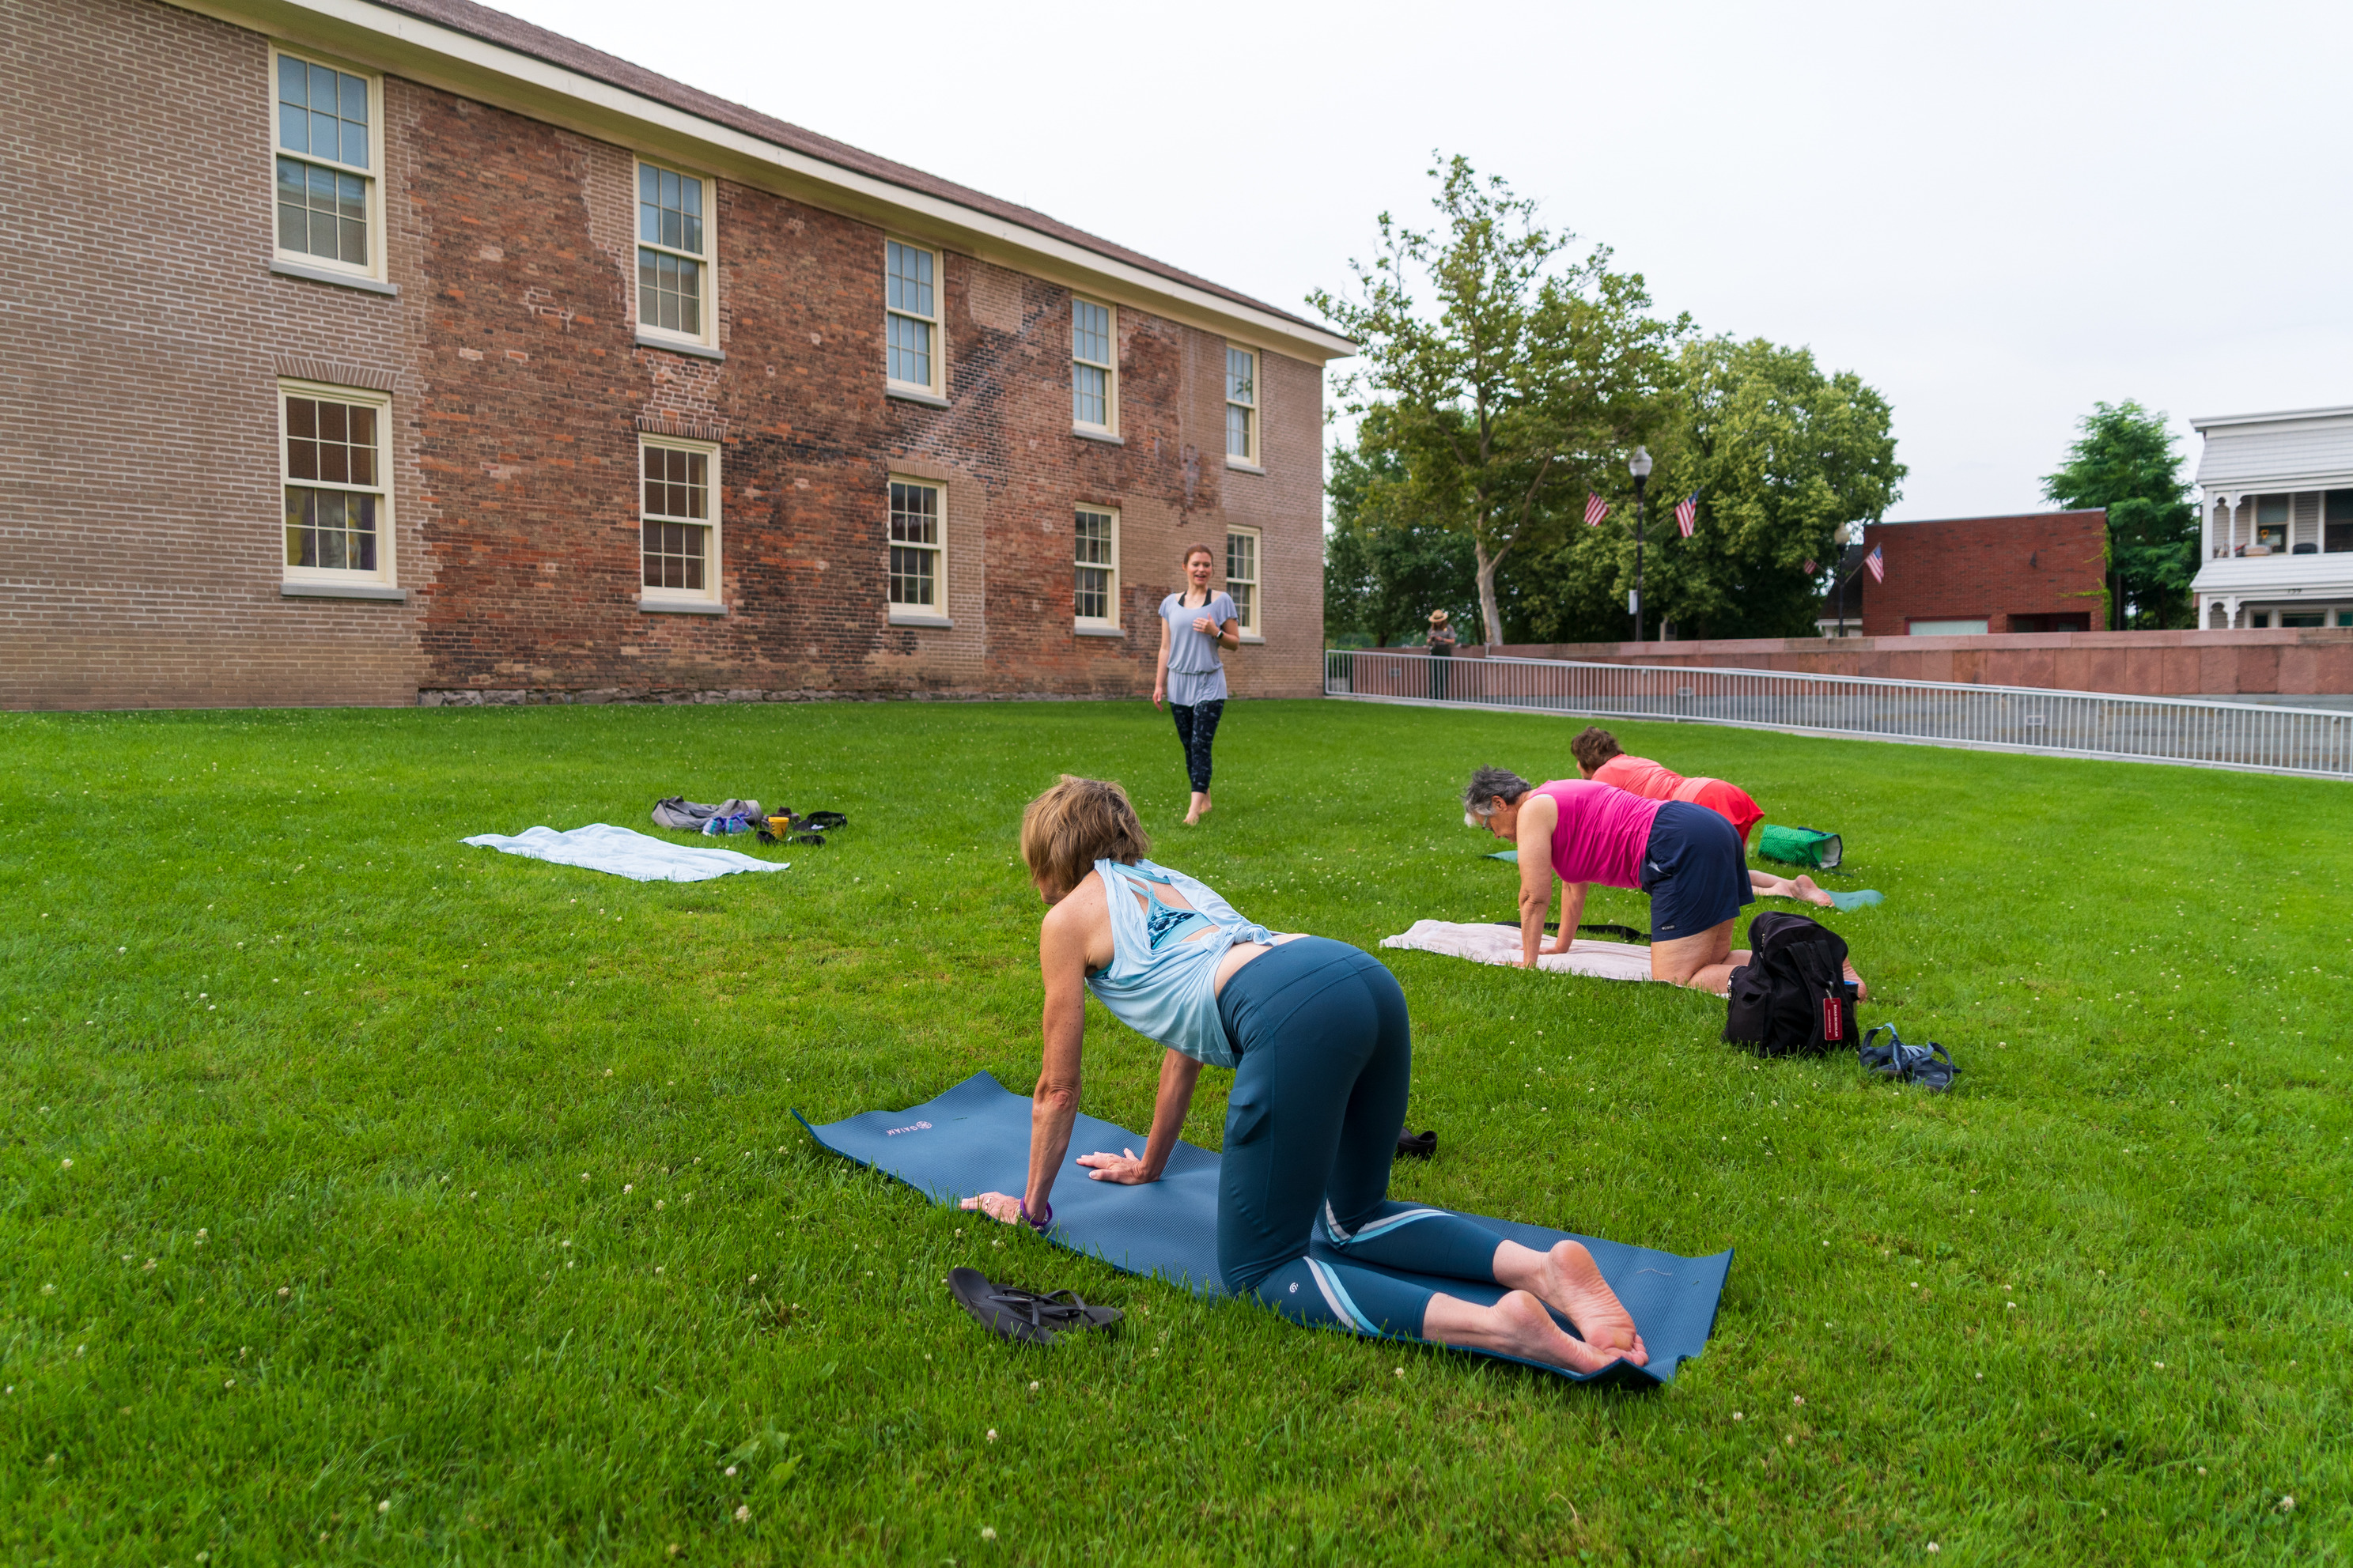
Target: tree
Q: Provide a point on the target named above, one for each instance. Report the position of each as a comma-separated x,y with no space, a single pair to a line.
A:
1386,567
2126,461
1780,455
1533,375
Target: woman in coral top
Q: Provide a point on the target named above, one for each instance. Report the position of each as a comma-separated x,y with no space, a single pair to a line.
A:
1598,758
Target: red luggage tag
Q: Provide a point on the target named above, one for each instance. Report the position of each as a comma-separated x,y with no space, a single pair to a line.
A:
1833,1019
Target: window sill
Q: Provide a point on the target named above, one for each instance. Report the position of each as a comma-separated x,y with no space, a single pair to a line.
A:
1105,436
652,607
919,618
1099,631
678,346
914,394
329,275
1251,637
1240,467
313,589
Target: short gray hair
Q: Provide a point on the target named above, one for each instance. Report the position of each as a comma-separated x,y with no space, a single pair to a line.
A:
1489,785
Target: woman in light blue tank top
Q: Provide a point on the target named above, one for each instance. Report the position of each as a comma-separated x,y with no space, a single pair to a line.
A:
1316,1034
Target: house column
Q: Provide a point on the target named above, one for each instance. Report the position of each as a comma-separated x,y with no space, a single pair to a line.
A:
2231,615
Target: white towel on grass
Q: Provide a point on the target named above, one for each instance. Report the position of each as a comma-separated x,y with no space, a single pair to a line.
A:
1501,944
601,847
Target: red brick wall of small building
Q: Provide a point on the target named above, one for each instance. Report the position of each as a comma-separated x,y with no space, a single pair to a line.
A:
518,393
1990,568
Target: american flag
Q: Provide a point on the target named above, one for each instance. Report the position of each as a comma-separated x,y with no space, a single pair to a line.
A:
1686,512
1811,568
1596,509
1878,564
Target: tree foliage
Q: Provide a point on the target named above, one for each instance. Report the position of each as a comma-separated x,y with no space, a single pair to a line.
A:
1521,378
2126,460
1388,564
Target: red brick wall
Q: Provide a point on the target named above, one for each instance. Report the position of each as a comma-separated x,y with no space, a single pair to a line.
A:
143,571
2309,661
1988,568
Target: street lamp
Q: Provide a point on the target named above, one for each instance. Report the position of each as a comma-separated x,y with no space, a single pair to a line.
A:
1639,465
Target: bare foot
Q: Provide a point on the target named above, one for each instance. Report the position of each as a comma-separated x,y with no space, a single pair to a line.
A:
1810,890
1517,1325
1862,992
1200,808
1572,1283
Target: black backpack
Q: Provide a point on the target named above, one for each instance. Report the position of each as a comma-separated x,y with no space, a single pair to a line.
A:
1792,997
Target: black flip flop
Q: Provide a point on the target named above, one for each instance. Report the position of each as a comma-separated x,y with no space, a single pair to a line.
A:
1024,1317
1930,1065
1412,1145
825,821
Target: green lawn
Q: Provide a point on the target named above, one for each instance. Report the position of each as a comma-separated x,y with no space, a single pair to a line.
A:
373,1199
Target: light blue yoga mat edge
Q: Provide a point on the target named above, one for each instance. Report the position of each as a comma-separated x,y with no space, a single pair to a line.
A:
1184,1200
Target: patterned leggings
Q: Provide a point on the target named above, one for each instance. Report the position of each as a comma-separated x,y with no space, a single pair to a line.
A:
1196,726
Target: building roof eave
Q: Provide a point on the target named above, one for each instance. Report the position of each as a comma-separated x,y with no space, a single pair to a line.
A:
486,55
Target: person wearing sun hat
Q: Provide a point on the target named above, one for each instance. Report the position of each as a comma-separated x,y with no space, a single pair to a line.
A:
1441,645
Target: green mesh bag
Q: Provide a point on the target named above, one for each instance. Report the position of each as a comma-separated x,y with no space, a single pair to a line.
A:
1799,846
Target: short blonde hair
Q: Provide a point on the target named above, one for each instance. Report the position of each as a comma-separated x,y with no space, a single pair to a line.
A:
1075,824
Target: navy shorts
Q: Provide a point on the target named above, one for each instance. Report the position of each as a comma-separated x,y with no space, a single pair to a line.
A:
1694,871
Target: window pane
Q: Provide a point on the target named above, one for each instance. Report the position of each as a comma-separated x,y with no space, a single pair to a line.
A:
1241,592
293,81
1241,376
1091,600
1090,333
674,556
2270,508
331,529
908,278
1241,558
914,514
911,349
356,145
1237,431
915,577
353,97
293,127
1090,394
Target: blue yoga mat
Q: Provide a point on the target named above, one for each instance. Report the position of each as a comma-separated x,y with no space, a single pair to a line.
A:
975,1139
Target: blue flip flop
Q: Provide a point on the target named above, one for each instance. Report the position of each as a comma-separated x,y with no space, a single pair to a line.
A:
1863,899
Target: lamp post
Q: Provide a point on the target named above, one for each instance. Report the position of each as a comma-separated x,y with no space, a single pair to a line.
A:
1639,465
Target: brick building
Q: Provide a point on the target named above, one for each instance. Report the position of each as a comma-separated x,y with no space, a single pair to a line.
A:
378,352
1967,576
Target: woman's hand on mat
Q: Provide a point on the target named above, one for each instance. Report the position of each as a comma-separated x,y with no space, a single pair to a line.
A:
1124,1168
997,1205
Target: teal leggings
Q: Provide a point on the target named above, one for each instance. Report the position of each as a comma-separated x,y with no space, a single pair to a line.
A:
1310,1128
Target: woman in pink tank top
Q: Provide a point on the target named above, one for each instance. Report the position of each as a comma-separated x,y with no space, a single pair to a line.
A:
1580,831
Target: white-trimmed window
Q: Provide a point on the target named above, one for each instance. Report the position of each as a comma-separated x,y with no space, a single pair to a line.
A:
1241,576
674,256
1241,407
337,483
1094,599
910,317
919,522
677,513
1095,367
327,146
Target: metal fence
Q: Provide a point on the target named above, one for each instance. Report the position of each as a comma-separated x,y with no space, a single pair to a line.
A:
2186,731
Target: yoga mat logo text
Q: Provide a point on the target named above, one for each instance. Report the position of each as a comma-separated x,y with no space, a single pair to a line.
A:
911,1127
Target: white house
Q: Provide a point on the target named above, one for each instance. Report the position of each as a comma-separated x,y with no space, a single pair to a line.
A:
2278,507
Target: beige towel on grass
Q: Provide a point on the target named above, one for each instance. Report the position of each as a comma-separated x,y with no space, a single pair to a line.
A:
1501,944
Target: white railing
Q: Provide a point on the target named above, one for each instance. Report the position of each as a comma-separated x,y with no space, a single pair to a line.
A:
2180,730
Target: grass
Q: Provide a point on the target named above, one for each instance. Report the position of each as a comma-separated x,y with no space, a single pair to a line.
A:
371,1199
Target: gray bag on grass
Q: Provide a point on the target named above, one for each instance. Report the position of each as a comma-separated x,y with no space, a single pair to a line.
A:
683,815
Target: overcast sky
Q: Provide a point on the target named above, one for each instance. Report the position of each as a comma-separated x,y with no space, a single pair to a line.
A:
1995,214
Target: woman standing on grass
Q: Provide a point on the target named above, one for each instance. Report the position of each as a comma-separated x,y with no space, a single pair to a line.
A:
1194,625
1317,1034
1580,831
